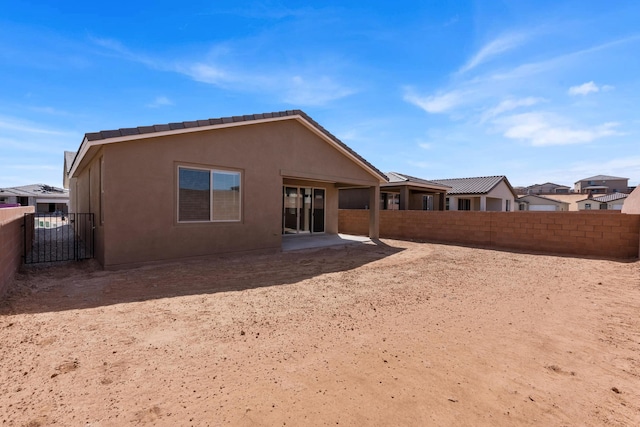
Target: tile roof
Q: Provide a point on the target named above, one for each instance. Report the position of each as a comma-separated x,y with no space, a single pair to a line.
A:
548,183
396,178
478,185
35,190
600,178
124,132
540,197
611,197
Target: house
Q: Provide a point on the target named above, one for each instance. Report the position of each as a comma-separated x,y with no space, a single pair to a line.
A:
486,193
613,201
540,203
602,184
45,198
632,203
206,187
400,192
547,188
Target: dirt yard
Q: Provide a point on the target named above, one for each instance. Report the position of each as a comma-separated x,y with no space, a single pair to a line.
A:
398,333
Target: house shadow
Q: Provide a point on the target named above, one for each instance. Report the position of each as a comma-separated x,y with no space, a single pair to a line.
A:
84,285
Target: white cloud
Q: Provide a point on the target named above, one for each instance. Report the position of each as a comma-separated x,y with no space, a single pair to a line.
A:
541,129
9,124
435,103
583,89
204,73
509,105
494,48
320,90
160,101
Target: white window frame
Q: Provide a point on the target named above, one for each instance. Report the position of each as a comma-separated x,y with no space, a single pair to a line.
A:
212,171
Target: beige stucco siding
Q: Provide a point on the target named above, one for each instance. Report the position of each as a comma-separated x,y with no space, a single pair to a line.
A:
501,191
140,189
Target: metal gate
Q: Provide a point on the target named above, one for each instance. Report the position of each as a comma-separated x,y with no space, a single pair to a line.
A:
51,237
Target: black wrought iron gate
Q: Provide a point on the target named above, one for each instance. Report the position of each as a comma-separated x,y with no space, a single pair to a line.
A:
55,237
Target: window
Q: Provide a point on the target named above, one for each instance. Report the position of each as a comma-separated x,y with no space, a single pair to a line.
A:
446,204
464,204
101,178
587,206
603,206
427,203
208,195
507,205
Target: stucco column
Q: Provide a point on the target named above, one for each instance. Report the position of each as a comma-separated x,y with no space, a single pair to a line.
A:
483,203
374,212
453,203
441,199
404,198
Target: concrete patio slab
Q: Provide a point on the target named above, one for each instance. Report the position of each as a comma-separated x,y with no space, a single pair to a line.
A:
312,241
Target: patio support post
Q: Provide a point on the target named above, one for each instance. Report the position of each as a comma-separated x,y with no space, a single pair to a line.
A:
483,203
404,198
374,212
441,201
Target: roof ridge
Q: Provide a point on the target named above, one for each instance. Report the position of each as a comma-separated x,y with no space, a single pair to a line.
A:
168,127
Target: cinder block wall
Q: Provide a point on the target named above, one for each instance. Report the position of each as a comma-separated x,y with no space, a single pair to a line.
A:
11,243
598,233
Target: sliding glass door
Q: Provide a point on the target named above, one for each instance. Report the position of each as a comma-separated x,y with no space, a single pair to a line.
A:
303,210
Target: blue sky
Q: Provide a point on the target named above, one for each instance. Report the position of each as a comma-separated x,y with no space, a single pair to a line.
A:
535,90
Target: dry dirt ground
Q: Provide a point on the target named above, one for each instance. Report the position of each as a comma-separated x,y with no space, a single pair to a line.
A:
395,333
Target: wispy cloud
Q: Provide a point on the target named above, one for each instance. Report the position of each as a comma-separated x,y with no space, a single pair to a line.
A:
297,85
115,47
205,73
493,49
440,103
583,89
160,101
544,129
587,88
11,124
314,91
509,105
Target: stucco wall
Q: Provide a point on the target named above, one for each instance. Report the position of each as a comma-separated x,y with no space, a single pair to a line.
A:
140,189
11,243
603,234
632,202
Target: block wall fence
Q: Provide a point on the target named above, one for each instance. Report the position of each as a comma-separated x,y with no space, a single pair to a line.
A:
599,233
11,243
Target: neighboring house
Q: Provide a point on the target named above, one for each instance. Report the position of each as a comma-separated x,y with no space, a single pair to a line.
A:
45,198
68,160
547,188
206,187
602,184
613,202
571,199
487,193
541,203
401,192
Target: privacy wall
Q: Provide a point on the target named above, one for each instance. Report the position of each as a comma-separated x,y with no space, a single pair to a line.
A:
11,243
598,233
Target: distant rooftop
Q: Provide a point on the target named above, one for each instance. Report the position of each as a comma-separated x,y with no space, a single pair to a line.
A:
397,178
601,178
477,185
34,190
